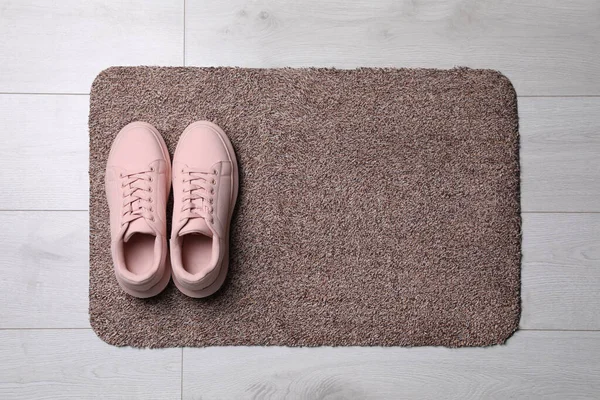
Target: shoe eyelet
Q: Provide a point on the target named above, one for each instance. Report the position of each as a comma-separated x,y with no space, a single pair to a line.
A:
215,172
150,209
182,171
150,200
151,169
152,219
121,175
150,190
214,182
211,201
151,179
212,191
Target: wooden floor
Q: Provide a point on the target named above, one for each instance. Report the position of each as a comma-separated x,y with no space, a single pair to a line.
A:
51,52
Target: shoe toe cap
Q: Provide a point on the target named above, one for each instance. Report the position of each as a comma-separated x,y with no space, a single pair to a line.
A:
136,145
202,144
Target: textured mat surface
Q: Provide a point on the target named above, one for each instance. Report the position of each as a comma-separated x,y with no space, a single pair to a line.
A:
377,206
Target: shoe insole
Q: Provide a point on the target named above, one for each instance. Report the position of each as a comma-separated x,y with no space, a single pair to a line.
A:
139,253
196,253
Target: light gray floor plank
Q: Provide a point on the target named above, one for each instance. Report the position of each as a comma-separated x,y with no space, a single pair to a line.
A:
60,46
75,364
534,365
44,270
560,154
545,48
44,152
561,271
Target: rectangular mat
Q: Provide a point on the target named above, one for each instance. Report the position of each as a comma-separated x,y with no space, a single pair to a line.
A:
376,206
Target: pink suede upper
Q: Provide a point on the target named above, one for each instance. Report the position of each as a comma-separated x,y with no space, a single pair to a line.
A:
137,181
204,193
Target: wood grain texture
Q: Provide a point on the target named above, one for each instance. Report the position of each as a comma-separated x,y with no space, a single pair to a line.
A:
40,251
561,271
545,48
44,270
560,154
59,47
549,365
75,364
44,152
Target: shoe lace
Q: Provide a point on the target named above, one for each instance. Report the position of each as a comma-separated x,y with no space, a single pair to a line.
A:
137,197
198,185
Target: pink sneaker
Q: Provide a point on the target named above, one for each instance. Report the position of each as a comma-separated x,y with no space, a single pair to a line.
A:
138,175
205,188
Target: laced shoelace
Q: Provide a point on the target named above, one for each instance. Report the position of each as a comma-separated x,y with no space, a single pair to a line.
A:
198,187
137,197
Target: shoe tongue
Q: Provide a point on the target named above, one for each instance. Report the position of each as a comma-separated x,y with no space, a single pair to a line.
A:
196,226
137,226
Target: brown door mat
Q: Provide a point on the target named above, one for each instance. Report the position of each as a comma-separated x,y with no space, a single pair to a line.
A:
377,207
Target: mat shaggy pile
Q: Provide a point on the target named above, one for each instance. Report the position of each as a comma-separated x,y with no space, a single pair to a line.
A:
376,207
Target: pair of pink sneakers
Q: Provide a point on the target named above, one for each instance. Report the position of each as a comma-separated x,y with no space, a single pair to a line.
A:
205,187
